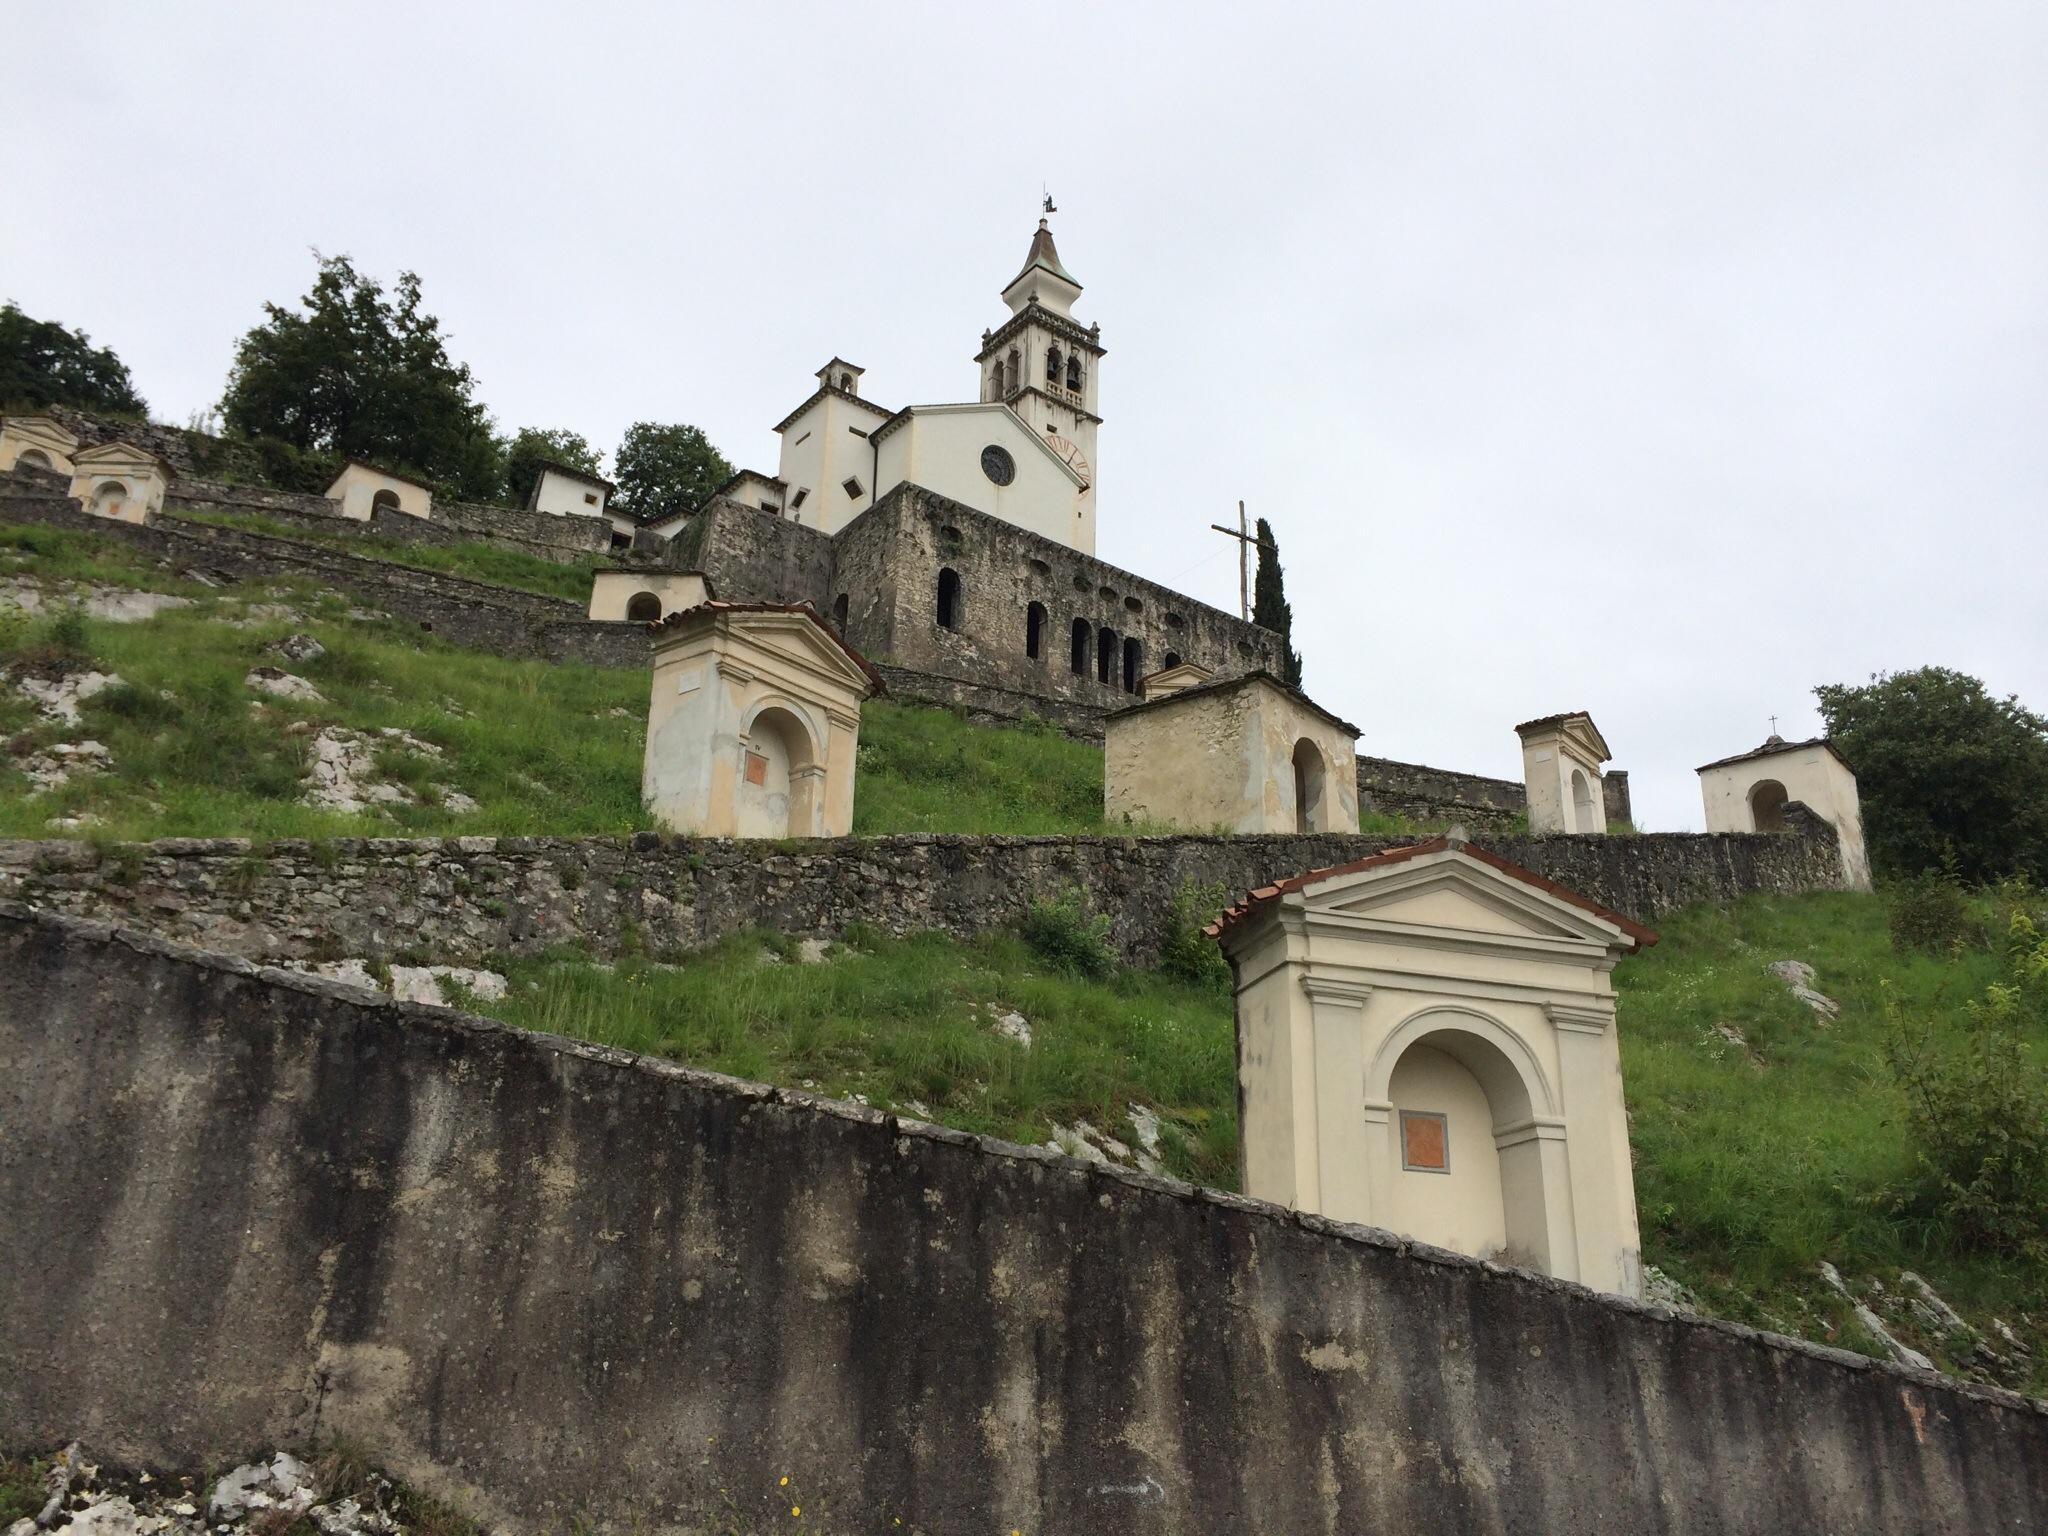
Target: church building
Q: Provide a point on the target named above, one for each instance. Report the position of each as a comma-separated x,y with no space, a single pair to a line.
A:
1023,450
955,543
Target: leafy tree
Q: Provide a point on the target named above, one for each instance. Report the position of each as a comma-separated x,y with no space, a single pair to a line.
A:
42,363
1270,608
362,373
532,447
1947,774
663,469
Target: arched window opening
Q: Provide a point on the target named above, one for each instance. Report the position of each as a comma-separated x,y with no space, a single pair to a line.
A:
1016,369
643,608
839,611
107,497
1582,803
1078,657
1074,373
1034,631
1309,786
949,599
997,394
1052,364
1172,659
846,382
1134,662
33,458
1767,806
385,500
1105,654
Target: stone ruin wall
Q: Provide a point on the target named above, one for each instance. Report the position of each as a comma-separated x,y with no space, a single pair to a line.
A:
889,559
464,899
570,1288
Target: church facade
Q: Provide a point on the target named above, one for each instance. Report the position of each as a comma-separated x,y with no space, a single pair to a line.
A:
954,544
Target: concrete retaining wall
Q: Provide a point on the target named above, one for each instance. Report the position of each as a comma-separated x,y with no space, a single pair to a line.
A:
558,1283
448,899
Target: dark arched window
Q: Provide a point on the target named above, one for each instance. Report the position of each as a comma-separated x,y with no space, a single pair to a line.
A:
384,501
839,607
1105,654
1016,369
1171,661
999,380
846,382
1034,631
643,608
949,599
1074,372
1134,661
1078,658
1052,364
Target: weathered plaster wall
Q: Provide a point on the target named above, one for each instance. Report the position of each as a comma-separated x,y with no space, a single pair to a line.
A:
562,1284
451,899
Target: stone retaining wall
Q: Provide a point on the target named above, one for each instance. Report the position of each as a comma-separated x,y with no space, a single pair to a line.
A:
570,1288
471,613
463,899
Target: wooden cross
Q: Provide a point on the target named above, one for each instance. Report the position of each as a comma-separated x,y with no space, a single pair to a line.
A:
1244,561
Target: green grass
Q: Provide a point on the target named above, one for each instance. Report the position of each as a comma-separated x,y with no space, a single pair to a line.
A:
903,1020
537,744
928,770
476,560
1755,1162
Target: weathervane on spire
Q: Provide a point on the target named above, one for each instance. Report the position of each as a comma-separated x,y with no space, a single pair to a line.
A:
1049,207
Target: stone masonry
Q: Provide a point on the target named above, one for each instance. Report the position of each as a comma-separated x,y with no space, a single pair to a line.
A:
464,899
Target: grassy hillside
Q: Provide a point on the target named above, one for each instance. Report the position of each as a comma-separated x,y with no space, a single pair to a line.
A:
542,748
1766,1141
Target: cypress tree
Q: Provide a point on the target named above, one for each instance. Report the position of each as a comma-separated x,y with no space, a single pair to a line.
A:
1270,608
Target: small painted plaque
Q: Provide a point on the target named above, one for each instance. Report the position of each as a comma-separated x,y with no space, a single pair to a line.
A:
757,768
1425,1141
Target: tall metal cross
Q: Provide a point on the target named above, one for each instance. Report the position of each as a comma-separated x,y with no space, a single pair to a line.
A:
1246,543
1774,725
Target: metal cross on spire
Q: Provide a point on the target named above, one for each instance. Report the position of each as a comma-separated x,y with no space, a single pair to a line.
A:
1774,725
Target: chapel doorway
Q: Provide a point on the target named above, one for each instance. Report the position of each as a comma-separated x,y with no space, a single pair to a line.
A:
1582,803
1308,787
773,793
1767,806
1466,1159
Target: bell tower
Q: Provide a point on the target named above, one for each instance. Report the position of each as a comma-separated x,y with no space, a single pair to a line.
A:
1045,365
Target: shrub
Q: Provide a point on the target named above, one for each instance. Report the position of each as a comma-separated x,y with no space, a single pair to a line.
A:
1977,1110
1187,952
1931,914
1069,937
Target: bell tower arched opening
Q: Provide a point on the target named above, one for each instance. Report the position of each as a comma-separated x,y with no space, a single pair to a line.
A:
1767,806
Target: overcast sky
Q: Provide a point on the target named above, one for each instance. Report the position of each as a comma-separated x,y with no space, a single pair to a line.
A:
1660,360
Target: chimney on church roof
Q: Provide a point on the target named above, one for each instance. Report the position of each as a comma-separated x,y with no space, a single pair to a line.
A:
1043,278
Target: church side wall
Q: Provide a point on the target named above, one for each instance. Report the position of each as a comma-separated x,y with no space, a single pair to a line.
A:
463,899
565,1285
889,562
